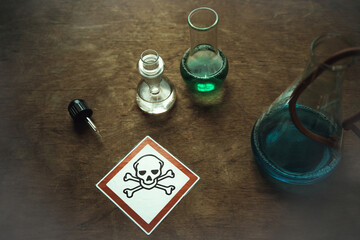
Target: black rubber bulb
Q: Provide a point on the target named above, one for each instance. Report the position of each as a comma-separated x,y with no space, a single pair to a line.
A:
79,110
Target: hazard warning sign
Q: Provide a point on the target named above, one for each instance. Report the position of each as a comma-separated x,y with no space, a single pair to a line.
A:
147,184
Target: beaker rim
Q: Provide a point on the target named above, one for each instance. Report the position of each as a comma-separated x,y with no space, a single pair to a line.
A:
150,64
148,52
203,28
316,42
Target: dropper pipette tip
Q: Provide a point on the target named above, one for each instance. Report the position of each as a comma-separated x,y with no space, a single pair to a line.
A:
92,125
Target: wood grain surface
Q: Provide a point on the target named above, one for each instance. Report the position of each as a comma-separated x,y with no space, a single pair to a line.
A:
52,51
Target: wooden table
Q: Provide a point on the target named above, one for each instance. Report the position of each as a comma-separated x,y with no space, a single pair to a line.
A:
56,50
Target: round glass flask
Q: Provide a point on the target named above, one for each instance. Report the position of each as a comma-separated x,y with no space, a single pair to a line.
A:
203,67
155,93
308,153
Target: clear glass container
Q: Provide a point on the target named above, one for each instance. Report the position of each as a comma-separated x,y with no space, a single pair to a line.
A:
298,139
155,93
203,67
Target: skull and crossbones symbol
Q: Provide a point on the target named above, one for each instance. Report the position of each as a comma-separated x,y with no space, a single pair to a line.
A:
148,170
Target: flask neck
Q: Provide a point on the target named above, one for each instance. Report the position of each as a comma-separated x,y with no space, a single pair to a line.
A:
151,65
335,140
325,46
203,29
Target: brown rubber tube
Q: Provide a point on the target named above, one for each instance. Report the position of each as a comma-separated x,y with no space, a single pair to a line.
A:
303,84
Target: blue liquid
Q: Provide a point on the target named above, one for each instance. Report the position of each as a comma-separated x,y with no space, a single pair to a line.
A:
288,155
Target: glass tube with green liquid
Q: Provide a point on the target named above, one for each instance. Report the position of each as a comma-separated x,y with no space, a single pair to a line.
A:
203,67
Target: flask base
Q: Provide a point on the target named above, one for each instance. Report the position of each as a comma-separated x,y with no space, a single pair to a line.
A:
156,103
205,70
284,153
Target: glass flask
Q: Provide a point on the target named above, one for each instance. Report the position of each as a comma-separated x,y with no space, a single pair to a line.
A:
298,139
155,93
203,67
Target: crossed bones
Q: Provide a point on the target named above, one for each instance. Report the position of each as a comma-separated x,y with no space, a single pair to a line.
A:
130,191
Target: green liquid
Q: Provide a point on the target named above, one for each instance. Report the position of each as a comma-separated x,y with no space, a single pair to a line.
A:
204,71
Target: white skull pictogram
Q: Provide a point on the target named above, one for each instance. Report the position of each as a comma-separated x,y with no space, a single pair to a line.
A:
148,170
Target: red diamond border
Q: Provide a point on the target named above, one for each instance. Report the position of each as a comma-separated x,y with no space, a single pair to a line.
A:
147,227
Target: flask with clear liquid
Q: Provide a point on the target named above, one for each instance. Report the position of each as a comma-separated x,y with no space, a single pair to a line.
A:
298,139
155,93
203,67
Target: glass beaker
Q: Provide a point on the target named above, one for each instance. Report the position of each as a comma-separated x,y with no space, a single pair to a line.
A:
298,139
203,67
155,93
